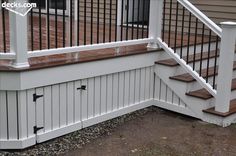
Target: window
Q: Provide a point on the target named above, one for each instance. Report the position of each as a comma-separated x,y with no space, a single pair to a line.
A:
142,11
52,3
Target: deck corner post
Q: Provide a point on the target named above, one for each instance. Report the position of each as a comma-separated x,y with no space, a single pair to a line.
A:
225,71
155,22
18,37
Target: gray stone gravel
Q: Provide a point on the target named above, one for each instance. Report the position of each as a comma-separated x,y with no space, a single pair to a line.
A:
76,139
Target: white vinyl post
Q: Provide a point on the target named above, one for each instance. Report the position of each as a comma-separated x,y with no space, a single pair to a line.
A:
18,37
226,61
155,21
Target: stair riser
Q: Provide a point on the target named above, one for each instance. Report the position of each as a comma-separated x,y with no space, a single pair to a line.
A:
188,86
163,56
197,65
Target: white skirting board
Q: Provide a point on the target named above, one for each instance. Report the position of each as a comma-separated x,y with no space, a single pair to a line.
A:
117,113
63,108
18,144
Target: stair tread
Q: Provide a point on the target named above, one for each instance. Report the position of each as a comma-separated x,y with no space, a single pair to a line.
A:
231,111
172,62
204,94
188,78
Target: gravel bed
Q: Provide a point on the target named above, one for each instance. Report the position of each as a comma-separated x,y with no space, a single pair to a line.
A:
77,139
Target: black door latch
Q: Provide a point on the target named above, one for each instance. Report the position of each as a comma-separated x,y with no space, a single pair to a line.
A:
36,129
83,87
35,97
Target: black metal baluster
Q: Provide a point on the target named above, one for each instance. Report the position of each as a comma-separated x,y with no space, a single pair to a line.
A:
64,25
148,18
202,49
56,37
110,21
104,22
48,26
164,20
176,25
127,20
215,62
40,25
91,24
31,27
208,57
170,19
195,43
116,20
189,37
85,21
182,33
71,23
122,18
4,29
143,24
132,31
138,17
98,20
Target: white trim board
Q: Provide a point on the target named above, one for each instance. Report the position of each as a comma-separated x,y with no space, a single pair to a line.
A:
48,76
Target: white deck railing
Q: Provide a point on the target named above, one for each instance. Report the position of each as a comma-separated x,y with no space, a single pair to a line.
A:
226,60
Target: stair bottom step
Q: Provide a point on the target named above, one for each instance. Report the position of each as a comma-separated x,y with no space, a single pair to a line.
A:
230,112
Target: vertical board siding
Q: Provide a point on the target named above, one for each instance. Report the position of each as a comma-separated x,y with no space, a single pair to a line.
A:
78,101
90,97
164,94
66,104
63,104
55,107
70,103
40,112
97,96
31,107
3,118
115,91
12,115
22,114
47,108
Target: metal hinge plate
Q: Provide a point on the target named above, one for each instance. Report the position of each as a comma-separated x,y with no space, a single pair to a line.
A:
36,129
35,97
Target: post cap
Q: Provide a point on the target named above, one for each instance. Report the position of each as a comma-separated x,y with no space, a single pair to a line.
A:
228,24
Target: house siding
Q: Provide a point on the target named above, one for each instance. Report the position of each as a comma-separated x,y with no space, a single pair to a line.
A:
217,10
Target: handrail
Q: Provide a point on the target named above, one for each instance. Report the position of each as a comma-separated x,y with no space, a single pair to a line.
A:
80,48
7,56
201,16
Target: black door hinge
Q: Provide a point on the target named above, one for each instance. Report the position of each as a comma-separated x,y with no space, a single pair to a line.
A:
36,129
83,87
35,97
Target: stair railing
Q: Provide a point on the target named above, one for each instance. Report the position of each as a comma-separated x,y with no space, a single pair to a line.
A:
186,30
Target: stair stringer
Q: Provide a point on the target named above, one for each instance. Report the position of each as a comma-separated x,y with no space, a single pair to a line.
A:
196,105
165,98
